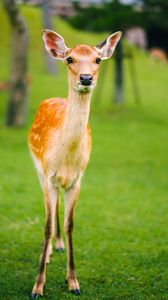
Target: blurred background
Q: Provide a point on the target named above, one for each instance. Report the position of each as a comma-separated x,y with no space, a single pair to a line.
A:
124,194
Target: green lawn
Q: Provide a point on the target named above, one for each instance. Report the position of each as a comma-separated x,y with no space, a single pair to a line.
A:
121,224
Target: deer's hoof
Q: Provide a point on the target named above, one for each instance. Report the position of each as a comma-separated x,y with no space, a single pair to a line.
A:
59,249
75,292
35,296
37,291
73,285
59,246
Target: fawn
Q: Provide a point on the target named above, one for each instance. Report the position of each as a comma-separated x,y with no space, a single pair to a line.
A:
60,144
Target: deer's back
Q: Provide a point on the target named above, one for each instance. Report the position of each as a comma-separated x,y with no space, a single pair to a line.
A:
50,114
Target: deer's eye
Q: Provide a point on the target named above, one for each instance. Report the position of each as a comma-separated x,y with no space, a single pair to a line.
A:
69,60
98,60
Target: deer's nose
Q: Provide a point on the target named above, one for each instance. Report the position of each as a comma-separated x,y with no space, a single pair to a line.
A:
86,79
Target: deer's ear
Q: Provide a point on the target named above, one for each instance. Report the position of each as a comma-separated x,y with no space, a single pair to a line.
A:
54,44
107,47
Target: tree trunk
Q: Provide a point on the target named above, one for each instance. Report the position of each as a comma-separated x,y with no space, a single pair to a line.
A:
50,63
118,97
17,106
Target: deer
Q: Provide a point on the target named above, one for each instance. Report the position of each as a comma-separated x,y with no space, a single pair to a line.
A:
60,145
158,54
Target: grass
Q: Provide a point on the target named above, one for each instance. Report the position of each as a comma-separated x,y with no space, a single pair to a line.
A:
121,236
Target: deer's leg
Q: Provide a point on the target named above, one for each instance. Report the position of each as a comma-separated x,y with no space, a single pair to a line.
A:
59,241
71,197
50,199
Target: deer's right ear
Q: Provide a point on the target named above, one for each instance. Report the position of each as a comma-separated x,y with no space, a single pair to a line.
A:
107,47
54,44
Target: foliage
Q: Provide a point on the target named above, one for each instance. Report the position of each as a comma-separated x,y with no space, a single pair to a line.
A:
110,16
113,16
120,235
156,12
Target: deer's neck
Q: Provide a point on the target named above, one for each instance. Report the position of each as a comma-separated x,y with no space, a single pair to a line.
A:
76,115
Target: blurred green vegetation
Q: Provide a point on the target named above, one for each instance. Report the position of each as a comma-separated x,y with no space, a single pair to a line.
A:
151,15
120,236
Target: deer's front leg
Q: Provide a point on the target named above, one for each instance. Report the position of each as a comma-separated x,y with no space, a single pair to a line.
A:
59,241
71,197
50,198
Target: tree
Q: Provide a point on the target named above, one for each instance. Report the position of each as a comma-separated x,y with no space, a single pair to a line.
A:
17,105
110,16
50,63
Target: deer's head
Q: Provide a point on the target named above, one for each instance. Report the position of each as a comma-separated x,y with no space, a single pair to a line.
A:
82,61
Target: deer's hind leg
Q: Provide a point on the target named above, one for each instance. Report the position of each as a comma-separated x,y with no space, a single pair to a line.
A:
71,197
50,195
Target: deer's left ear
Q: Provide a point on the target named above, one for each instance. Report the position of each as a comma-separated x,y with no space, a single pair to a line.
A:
107,47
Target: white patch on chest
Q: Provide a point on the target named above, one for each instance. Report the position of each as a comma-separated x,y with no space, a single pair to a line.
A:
67,161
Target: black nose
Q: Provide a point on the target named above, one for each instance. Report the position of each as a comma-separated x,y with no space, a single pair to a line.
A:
86,79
